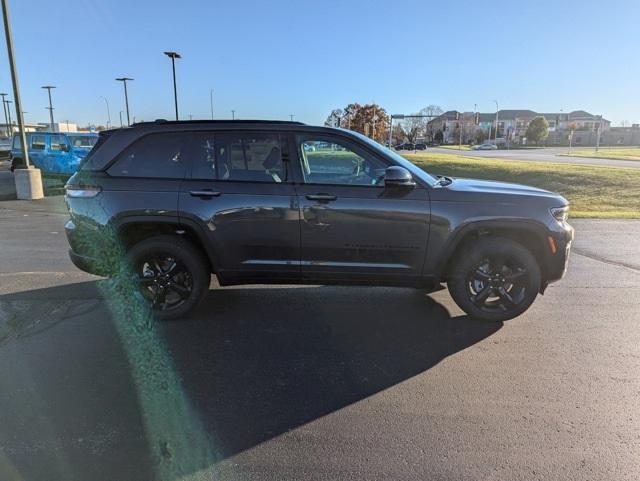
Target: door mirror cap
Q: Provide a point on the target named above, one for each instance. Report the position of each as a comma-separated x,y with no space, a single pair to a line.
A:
396,176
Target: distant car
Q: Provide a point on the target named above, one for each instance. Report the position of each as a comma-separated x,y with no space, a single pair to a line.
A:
407,146
5,148
420,146
485,147
53,152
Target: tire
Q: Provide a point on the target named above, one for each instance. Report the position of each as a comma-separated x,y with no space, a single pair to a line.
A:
496,279
16,163
171,274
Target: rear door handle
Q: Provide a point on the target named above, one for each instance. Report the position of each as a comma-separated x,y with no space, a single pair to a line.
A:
321,197
204,193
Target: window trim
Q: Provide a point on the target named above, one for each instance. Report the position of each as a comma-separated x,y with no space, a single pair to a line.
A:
301,137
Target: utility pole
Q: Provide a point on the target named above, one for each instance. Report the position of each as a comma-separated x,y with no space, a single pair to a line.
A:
28,181
9,113
291,117
108,112
50,108
173,56
390,129
6,119
124,81
496,136
211,102
120,113
598,133
233,115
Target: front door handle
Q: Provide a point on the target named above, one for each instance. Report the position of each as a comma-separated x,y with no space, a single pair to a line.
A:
321,197
204,193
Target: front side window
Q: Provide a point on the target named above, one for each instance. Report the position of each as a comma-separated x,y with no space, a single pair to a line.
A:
58,142
253,157
155,155
38,142
335,162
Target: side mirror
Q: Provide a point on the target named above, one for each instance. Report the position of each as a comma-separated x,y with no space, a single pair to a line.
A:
396,176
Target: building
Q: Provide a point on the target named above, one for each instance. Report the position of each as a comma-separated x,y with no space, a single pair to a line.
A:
512,126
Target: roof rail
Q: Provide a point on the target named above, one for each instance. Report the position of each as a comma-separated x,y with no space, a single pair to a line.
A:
229,121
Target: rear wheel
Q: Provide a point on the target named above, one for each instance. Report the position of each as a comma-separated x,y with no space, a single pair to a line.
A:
170,273
17,163
497,279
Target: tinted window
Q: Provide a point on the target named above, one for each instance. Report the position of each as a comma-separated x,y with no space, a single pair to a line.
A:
156,155
38,142
255,157
335,162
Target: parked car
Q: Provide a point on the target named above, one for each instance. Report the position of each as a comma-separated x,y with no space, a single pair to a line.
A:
53,152
485,146
421,146
5,148
183,200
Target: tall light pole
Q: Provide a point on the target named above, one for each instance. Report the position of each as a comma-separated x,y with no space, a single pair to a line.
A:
6,120
28,181
211,102
233,115
124,80
291,116
120,113
496,137
50,108
108,112
173,56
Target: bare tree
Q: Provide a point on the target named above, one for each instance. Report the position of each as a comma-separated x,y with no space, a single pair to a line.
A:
334,118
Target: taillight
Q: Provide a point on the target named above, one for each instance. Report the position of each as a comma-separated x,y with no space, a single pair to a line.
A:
82,191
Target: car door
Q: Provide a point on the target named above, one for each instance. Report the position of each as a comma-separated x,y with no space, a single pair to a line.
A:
37,151
353,228
240,195
57,156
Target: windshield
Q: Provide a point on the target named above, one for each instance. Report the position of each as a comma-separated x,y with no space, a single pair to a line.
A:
414,169
83,141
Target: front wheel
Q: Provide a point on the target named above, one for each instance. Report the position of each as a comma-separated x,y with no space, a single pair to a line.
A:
170,273
495,280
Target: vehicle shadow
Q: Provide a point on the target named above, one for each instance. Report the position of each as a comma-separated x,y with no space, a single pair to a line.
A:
258,362
176,397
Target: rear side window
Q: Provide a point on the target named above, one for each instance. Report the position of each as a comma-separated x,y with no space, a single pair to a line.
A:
252,157
155,155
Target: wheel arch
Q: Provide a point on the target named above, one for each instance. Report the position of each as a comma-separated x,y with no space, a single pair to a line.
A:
132,230
529,234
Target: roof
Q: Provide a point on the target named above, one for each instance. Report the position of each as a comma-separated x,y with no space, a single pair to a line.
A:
513,114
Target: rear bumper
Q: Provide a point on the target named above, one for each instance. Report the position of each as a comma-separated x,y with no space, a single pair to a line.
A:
88,251
85,263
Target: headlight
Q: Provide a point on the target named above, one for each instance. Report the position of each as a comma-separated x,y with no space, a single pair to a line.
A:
561,214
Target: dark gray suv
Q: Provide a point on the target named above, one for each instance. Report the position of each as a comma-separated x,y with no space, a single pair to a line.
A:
169,203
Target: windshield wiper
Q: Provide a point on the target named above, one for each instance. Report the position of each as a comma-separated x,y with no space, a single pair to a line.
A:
442,181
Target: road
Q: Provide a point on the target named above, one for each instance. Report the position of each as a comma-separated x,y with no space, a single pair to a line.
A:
539,155
284,383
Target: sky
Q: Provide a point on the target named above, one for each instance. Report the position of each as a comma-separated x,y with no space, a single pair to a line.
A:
269,59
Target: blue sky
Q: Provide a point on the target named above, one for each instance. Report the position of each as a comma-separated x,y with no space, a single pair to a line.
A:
269,59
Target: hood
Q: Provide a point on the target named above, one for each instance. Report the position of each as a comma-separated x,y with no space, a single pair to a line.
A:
474,190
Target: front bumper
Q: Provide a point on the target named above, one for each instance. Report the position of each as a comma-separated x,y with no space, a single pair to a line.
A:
558,261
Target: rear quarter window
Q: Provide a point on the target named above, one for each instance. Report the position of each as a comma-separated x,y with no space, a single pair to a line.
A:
155,155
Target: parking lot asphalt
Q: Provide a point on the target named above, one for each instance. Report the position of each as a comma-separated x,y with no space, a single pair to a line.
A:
551,154
310,382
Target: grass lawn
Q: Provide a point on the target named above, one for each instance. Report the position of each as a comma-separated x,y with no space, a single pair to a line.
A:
455,147
615,153
593,191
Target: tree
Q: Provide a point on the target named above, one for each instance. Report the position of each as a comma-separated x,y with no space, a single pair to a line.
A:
334,118
439,136
370,119
412,127
479,136
537,130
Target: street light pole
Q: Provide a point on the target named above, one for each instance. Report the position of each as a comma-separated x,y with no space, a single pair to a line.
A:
496,136
173,56
124,80
233,115
9,113
120,114
6,120
50,108
211,102
291,116
108,112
